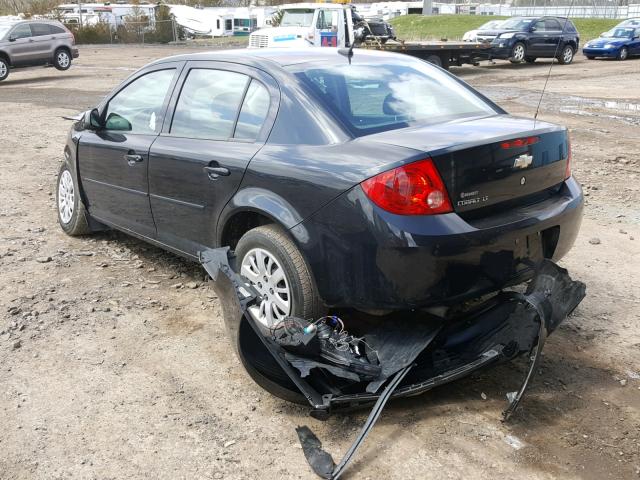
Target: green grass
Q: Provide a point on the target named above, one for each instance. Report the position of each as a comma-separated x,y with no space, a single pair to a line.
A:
452,27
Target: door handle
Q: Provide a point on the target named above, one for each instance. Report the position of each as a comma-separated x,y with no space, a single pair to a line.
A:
214,172
133,158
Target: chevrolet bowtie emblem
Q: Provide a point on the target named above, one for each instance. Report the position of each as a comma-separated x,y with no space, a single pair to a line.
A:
523,161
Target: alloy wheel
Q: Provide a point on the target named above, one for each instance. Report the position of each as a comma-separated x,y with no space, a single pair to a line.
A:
518,53
624,53
63,59
268,277
66,197
3,69
567,55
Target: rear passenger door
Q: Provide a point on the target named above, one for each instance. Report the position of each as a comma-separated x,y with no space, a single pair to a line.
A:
42,43
554,37
222,116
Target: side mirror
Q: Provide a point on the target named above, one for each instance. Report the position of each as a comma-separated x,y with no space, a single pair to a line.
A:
95,122
12,38
533,29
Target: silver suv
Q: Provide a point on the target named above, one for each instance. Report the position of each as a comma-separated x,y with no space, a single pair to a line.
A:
35,42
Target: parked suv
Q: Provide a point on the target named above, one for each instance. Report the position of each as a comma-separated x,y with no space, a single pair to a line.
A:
524,39
35,42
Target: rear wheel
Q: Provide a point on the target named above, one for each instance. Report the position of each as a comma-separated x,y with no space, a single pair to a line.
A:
623,54
272,263
4,68
62,59
435,59
566,55
519,53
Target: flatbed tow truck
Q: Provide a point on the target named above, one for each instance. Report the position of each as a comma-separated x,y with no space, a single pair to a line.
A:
337,24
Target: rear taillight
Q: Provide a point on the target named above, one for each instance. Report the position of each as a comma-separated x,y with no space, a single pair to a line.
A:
567,172
413,189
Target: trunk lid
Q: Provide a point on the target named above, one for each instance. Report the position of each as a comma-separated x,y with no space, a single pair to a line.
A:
476,165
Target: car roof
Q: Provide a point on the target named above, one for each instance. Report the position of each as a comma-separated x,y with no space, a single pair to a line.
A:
260,57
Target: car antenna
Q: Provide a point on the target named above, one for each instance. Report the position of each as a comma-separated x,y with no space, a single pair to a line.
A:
553,60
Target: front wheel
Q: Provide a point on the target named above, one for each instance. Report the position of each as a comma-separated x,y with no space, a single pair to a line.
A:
566,56
518,53
62,59
623,54
72,215
590,57
4,68
530,59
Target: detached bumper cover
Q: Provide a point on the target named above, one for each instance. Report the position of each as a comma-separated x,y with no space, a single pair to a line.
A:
502,328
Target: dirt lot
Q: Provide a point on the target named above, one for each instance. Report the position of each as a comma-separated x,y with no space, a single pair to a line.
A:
113,356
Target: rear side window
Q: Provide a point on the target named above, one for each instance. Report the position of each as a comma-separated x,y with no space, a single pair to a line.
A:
40,29
253,113
137,108
209,103
56,29
21,31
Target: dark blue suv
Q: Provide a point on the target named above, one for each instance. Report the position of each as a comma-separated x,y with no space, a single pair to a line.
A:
524,39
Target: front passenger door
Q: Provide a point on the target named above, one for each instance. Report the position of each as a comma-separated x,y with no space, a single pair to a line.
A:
113,159
21,47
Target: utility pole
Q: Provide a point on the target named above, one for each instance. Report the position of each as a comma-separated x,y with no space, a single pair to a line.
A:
427,7
80,11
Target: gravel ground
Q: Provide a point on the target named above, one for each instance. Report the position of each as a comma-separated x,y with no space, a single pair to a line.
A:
114,361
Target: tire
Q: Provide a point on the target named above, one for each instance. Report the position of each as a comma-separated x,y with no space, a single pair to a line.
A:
530,59
623,54
72,214
255,358
62,59
435,59
297,290
590,57
4,68
566,55
518,53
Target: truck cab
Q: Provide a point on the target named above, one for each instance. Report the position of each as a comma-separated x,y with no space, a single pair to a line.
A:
308,25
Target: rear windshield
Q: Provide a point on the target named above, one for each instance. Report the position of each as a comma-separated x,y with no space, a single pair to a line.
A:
371,98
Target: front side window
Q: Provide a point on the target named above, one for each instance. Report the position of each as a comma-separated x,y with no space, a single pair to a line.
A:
253,113
209,104
327,20
376,97
21,31
40,29
137,108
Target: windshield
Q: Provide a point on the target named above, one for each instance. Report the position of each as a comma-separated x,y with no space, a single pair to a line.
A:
620,33
490,25
375,97
297,18
4,29
516,23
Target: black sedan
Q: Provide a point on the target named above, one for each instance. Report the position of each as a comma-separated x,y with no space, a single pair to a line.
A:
380,184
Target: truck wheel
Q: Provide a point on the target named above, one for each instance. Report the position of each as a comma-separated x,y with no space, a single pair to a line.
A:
72,215
566,56
4,68
623,54
62,59
518,53
435,59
